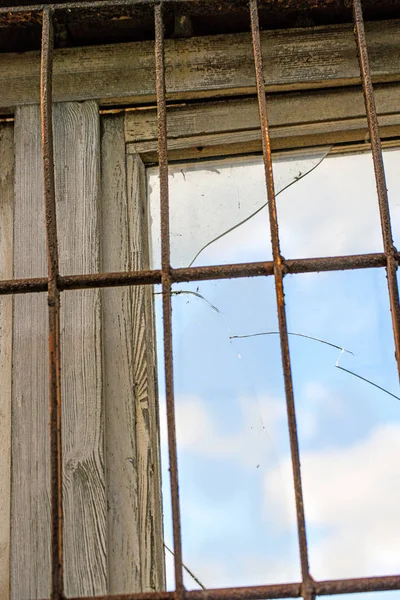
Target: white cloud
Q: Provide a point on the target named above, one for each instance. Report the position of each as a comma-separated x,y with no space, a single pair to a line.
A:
258,436
352,499
314,402
333,210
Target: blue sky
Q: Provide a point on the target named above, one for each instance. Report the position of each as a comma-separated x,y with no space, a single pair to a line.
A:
236,489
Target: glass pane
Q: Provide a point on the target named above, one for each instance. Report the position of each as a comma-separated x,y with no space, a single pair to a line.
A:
218,210
332,211
349,421
231,431
237,502
327,205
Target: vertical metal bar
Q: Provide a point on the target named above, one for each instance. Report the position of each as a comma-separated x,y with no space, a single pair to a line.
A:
46,72
166,292
376,146
307,588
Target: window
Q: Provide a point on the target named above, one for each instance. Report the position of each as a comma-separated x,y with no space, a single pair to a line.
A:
107,131
236,491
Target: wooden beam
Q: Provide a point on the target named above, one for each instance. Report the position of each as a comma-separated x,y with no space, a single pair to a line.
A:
121,252
316,109
6,307
77,160
318,57
135,551
30,500
297,120
145,365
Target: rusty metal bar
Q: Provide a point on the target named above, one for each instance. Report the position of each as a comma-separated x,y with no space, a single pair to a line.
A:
91,4
166,282
284,590
23,286
307,584
46,111
256,269
104,280
376,146
166,276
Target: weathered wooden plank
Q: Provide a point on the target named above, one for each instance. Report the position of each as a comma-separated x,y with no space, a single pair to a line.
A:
135,554
147,422
6,272
77,148
316,110
30,506
245,142
232,126
77,183
290,110
120,252
316,57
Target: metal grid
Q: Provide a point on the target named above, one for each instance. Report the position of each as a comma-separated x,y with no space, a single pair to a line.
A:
55,283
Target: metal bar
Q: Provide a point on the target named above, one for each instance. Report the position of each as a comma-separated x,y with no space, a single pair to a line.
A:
95,4
166,294
256,269
376,146
104,280
23,286
307,585
284,590
46,110
291,266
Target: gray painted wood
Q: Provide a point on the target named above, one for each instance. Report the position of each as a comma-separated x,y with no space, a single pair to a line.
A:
77,147
118,309
109,416
317,57
135,554
318,108
30,507
6,305
147,422
77,182
296,120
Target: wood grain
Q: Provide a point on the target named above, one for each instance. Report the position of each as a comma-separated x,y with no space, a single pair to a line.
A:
147,423
30,506
6,306
317,57
120,253
296,120
108,367
77,149
77,184
135,555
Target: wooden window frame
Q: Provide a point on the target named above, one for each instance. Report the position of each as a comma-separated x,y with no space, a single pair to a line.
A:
312,76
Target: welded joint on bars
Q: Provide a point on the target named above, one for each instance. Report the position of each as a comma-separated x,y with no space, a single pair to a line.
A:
393,254
281,269
308,588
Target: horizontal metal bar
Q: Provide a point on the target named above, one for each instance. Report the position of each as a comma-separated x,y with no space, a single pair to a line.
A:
23,286
354,586
88,4
103,280
285,590
256,269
